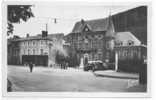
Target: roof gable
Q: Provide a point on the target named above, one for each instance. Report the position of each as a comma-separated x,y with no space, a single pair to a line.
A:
94,25
86,28
126,36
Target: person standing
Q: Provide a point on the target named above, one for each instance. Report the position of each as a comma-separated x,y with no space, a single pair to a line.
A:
31,66
66,65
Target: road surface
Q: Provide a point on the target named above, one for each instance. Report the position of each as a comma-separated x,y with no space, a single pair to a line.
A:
44,79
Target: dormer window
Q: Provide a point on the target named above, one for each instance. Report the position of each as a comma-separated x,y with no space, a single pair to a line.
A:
119,43
130,43
86,29
100,37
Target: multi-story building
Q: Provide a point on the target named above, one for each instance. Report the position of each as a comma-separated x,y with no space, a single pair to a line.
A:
38,49
131,53
131,38
96,39
88,39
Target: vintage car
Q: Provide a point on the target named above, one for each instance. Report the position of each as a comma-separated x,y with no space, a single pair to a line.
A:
95,65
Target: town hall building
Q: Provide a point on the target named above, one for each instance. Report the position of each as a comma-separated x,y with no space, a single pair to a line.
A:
92,40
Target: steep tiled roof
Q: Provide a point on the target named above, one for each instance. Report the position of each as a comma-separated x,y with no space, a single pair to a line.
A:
31,38
94,25
39,37
133,20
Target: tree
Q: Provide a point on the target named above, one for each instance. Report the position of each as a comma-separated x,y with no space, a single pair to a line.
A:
60,58
16,14
73,60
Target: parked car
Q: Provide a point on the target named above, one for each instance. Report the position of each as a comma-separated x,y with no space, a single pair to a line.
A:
88,67
95,65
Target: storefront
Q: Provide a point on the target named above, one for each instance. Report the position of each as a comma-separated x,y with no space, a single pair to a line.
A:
39,60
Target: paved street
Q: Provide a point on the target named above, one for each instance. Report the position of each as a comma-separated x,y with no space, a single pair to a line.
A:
45,79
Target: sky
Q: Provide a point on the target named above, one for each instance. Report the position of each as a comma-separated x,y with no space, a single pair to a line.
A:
66,15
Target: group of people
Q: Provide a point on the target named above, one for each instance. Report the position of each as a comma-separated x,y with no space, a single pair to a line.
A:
31,65
64,66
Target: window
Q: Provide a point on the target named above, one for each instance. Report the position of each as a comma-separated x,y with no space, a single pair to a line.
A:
23,43
99,56
91,44
96,56
86,29
100,44
28,52
130,43
33,51
46,42
107,45
86,40
100,37
33,42
24,52
41,42
94,42
28,43
119,43
41,50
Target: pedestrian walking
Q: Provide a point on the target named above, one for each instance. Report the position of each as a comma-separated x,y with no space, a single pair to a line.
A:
66,65
31,66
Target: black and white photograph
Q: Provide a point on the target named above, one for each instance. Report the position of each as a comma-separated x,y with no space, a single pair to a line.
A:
56,47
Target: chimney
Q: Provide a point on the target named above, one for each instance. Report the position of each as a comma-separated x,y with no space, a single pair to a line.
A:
27,35
82,21
44,33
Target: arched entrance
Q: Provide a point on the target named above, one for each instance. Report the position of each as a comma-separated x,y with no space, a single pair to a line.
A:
86,58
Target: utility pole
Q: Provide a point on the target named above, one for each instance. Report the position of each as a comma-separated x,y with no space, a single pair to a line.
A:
116,61
46,27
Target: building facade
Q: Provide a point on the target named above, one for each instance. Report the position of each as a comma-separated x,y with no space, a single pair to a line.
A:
100,39
38,49
88,40
131,38
131,58
131,53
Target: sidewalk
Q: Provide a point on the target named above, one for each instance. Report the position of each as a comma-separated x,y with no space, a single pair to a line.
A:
113,74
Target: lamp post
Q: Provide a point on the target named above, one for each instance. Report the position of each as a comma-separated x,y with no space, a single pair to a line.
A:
116,61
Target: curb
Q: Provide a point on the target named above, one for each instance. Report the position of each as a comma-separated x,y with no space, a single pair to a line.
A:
113,76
